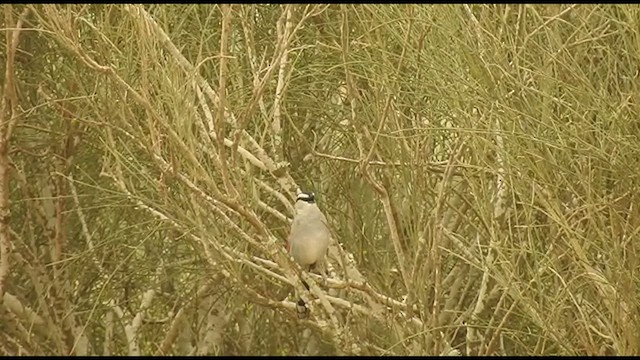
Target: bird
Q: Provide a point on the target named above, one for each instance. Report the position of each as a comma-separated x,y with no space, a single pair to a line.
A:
308,239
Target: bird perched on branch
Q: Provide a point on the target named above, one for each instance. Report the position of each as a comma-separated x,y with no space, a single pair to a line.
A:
308,240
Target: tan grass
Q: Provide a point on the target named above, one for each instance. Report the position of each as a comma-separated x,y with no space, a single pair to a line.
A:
478,165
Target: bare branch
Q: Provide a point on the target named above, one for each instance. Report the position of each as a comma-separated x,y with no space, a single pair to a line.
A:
132,329
8,117
276,125
222,90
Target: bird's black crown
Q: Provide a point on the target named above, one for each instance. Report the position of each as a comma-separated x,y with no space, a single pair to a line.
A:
307,197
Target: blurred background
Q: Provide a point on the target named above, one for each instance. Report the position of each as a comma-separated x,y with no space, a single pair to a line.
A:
478,166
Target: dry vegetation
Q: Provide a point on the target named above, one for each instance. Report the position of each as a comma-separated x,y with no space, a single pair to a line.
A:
478,166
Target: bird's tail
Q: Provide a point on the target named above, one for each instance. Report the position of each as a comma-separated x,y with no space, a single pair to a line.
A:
302,307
